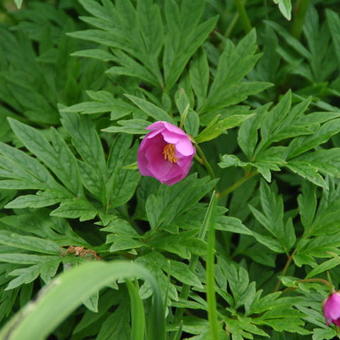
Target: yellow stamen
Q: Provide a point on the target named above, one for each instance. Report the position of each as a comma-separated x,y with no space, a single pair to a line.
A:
169,152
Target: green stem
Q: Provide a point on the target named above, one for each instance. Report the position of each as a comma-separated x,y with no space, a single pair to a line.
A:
205,161
243,16
266,9
231,25
284,270
210,277
237,184
300,12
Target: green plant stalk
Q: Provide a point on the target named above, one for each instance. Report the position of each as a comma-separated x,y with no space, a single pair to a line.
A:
194,260
299,17
210,277
237,184
205,161
137,312
243,15
231,25
284,270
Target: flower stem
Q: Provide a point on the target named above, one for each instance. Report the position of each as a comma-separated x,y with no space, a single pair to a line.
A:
205,161
284,270
237,184
301,9
210,277
243,16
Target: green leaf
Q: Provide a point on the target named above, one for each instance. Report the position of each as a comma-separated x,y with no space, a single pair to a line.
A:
40,200
199,77
30,243
184,244
272,218
323,333
326,161
68,291
55,154
120,243
94,53
231,160
282,122
324,266
171,201
131,68
233,225
91,302
285,7
304,143
333,21
75,208
86,141
307,204
151,109
277,115
18,258
132,126
307,171
234,64
46,269
182,102
247,134
290,40
24,172
216,129
182,272
23,276
18,3
92,108
119,318
104,102
183,40
192,123
269,160
122,183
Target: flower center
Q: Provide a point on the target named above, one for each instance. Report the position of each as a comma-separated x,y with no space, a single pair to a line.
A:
169,153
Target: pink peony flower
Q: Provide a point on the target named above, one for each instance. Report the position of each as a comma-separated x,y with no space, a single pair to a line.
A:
165,153
331,309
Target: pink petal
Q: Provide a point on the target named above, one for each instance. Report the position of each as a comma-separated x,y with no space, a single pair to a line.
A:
185,147
151,160
157,165
175,176
152,134
143,164
165,125
331,307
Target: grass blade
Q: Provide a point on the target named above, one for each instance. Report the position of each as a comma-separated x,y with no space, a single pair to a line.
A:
65,293
137,312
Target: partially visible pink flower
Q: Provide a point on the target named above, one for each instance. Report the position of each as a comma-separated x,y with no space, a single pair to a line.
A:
331,309
165,153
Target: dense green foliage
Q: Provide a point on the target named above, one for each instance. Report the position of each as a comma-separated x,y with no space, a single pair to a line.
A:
246,247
